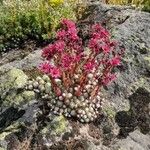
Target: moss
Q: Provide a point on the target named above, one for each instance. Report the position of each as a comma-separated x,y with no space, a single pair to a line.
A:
18,99
9,99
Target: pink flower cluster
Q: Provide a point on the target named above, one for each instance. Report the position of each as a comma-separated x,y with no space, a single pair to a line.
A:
67,56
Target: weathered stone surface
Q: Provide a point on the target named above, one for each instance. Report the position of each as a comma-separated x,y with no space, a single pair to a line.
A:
130,91
127,107
135,141
28,62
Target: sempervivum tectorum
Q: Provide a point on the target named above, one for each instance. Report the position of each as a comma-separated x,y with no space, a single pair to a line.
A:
74,76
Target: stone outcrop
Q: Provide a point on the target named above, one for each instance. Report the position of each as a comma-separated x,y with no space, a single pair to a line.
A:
25,121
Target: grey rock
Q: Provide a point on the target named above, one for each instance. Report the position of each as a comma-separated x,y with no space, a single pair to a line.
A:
135,141
132,29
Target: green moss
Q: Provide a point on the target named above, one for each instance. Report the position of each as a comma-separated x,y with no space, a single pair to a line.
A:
23,19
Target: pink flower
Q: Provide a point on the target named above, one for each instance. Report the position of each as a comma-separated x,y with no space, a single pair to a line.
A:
99,31
115,61
106,48
61,34
72,34
94,45
55,72
89,66
59,46
48,51
66,61
67,55
108,78
104,33
77,48
45,67
113,43
96,35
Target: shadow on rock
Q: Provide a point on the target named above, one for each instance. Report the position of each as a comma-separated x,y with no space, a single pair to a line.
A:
138,114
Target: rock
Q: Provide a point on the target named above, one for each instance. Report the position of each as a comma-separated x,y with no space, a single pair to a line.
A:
132,29
29,62
12,121
135,141
125,103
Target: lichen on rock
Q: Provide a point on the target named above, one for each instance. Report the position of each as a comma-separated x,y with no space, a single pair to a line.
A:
18,77
12,88
57,127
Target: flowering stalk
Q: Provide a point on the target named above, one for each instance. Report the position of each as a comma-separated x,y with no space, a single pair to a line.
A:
66,59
